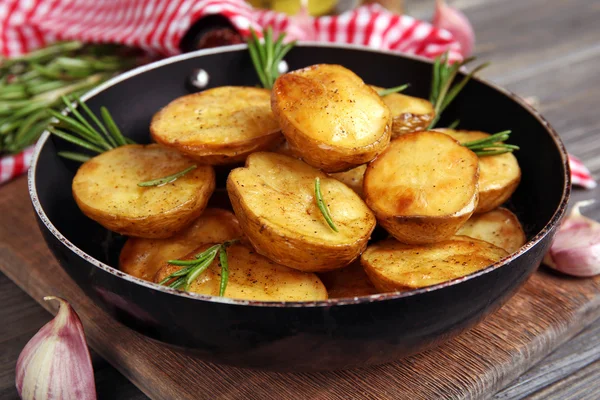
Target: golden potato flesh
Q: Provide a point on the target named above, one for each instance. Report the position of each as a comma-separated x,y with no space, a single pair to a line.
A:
106,190
499,227
499,175
253,277
331,117
350,281
142,258
409,114
218,126
352,178
423,187
394,266
274,200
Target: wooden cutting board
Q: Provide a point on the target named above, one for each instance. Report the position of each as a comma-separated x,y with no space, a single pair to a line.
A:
547,311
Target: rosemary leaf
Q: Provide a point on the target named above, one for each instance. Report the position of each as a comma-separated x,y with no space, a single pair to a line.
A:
72,139
83,121
95,119
454,125
322,206
81,130
224,270
397,89
167,179
200,268
74,156
112,127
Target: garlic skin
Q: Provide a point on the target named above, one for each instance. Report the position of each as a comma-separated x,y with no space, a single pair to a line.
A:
56,364
455,22
576,247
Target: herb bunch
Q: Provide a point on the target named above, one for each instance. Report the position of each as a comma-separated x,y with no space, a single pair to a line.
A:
192,269
32,84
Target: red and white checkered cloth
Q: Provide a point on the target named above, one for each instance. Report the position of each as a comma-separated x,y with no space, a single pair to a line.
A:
159,25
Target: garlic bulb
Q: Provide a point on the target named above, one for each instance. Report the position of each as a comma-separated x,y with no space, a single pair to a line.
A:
455,22
56,363
576,247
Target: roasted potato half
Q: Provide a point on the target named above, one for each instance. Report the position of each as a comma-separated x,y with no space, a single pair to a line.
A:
350,281
218,126
352,178
499,175
330,117
499,227
409,114
106,190
423,187
142,258
273,197
253,277
394,266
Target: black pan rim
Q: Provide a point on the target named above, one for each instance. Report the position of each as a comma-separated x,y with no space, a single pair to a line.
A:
556,217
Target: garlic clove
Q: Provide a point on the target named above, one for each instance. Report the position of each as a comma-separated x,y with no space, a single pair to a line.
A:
576,247
300,26
56,364
455,22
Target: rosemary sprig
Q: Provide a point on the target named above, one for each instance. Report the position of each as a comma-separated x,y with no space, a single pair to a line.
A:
397,89
267,54
78,130
491,145
184,277
167,179
322,206
442,91
33,83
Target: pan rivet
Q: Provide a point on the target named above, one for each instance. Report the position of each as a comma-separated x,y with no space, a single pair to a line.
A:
282,67
199,78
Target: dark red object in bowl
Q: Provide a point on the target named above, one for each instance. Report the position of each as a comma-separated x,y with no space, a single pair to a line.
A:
339,333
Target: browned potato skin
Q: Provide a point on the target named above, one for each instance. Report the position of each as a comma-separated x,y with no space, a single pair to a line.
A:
252,277
407,226
394,266
499,227
142,258
256,118
152,161
499,175
284,246
350,281
352,178
297,92
405,117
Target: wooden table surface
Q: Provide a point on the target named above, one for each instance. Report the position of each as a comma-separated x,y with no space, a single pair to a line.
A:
549,49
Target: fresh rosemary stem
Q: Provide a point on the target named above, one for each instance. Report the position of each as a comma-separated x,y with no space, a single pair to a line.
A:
322,206
442,91
267,54
397,89
167,179
194,268
491,145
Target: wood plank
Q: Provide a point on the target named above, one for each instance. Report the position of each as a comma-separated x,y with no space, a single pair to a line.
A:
547,311
580,353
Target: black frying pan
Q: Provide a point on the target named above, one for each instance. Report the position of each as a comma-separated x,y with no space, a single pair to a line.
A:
331,334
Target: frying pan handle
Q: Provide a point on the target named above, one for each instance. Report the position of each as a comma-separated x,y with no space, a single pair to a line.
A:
210,31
